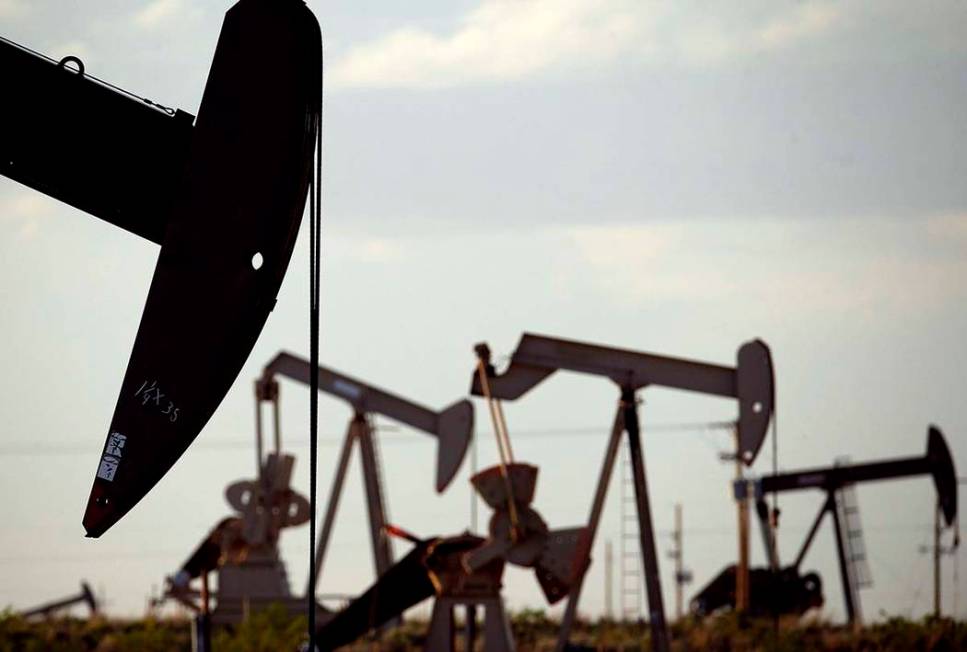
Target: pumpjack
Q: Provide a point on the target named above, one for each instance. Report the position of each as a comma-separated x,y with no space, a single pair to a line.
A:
243,549
222,194
537,357
452,427
778,592
466,570
86,596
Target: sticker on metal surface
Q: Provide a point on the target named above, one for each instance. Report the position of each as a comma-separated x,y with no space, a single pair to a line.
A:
108,467
347,389
115,444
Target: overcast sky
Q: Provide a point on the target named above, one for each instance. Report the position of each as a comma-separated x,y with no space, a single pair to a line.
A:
673,178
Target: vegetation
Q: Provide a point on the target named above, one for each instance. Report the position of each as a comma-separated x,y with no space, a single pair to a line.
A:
272,631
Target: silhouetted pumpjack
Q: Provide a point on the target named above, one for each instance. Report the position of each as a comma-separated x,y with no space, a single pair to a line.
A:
224,199
452,427
937,462
538,356
86,596
243,549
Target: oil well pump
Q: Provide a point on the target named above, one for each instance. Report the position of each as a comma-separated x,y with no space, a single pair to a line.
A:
539,356
86,596
466,570
223,195
784,590
243,549
452,427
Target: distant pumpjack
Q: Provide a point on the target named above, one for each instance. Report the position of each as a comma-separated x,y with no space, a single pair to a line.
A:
750,381
243,550
452,428
86,596
834,480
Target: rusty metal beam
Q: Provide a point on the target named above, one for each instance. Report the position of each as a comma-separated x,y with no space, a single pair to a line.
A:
750,381
452,426
937,462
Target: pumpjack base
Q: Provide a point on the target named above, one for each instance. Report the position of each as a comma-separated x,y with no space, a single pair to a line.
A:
497,636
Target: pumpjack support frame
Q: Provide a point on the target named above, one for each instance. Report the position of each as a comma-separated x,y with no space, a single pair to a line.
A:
751,382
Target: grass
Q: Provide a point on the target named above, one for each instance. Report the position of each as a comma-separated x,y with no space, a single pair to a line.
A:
273,631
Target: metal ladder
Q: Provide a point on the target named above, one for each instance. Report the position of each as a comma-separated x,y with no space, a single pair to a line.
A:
631,583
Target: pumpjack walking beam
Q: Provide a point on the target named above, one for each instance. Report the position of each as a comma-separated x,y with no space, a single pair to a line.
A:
452,427
223,195
937,462
750,381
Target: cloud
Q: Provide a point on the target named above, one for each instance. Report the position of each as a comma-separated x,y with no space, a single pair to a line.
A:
712,40
802,269
644,262
156,13
24,204
23,211
352,249
512,39
500,39
75,48
373,250
948,228
12,8
808,19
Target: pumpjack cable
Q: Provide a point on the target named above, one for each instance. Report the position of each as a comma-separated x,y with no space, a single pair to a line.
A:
87,75
503,444
315,263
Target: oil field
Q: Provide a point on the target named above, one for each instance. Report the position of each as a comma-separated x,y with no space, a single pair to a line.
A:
496,325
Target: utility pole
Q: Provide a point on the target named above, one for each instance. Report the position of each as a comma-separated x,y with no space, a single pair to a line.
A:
682,575
678,561
677,554
938,550
608,568
936,561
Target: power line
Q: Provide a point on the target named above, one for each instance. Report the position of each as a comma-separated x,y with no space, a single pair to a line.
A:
32,449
